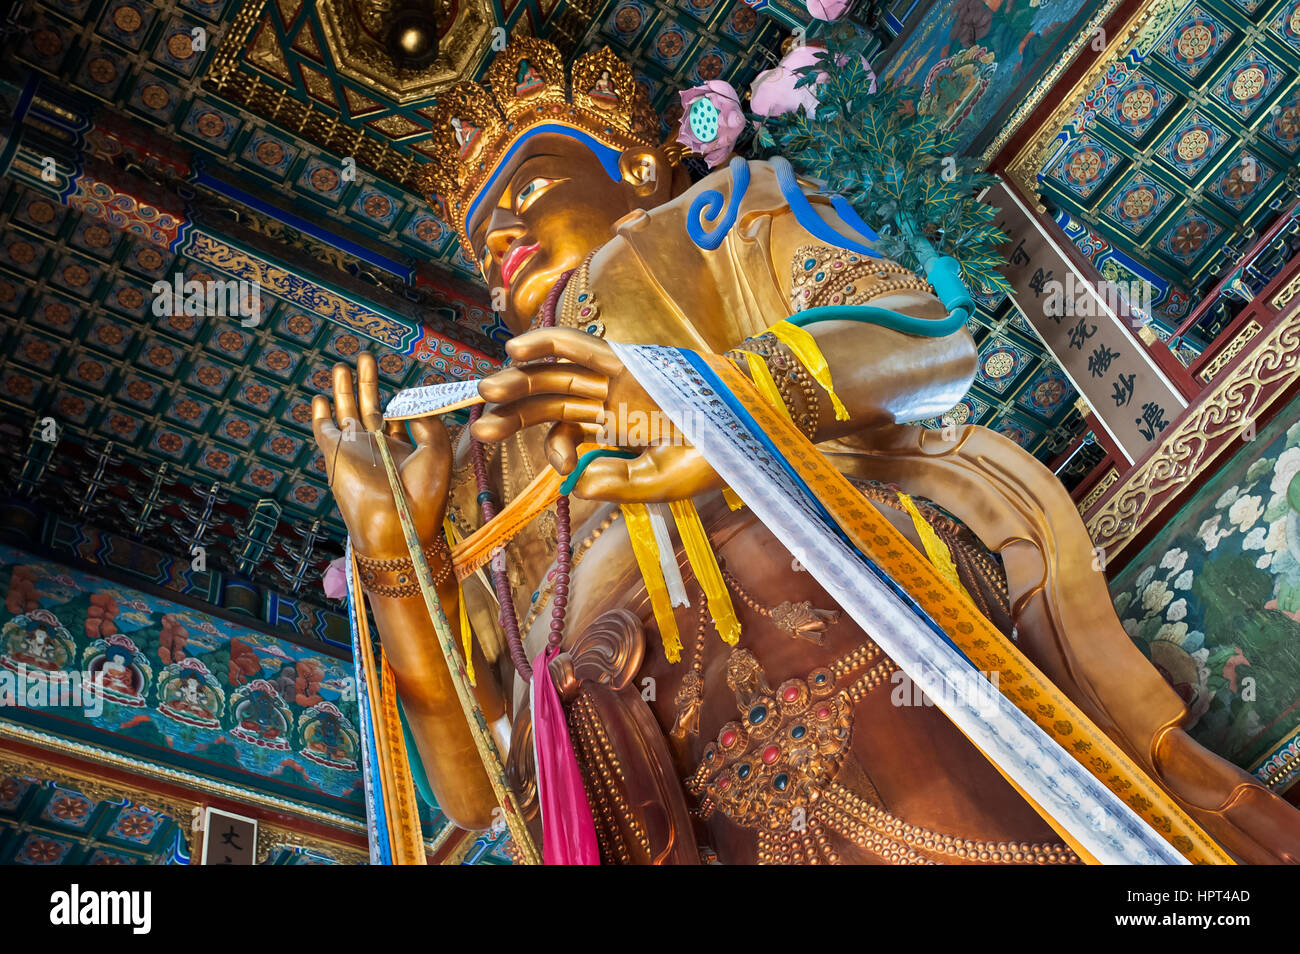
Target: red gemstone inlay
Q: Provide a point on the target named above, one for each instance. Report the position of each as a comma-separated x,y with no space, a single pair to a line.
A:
725,783
791,694
728,738
770,753
823,713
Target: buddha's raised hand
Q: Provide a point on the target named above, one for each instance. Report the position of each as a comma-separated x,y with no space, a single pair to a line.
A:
356,472
588,395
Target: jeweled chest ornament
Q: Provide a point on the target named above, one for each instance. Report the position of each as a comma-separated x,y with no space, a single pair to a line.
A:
787,745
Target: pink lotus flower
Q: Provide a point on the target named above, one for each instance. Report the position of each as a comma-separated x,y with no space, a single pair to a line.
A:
773,94
828,9
335,581
712,121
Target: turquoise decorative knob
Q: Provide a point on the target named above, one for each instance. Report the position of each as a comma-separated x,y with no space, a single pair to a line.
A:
704,120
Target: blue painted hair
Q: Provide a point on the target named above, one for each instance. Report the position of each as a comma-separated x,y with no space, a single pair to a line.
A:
607,155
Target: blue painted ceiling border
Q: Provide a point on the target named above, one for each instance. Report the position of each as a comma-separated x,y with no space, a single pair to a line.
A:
404,271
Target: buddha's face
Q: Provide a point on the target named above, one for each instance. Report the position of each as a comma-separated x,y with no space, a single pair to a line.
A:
551,204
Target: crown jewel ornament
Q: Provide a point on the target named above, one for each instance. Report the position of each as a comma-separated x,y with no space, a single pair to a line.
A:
476,126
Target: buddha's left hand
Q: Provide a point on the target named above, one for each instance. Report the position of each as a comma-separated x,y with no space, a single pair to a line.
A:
588,395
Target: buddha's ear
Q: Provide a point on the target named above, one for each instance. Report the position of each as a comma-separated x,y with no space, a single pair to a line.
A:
648,173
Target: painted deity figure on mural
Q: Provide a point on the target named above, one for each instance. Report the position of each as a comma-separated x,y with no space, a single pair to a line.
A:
799,741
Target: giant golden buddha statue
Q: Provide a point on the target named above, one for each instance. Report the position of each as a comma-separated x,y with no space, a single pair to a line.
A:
789,737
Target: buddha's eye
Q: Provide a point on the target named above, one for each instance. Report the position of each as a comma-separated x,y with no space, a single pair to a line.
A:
531,192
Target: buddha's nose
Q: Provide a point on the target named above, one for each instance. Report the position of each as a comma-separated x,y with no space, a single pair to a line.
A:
503,228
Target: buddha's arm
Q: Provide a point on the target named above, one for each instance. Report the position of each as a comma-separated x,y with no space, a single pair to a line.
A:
887,377
365,500
432,708
882,376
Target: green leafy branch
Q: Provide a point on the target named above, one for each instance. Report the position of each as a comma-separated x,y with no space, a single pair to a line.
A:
899,169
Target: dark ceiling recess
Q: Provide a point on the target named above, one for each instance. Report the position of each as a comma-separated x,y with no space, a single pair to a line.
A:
413,37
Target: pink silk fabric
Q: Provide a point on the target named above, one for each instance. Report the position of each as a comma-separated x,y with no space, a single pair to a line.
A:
568,832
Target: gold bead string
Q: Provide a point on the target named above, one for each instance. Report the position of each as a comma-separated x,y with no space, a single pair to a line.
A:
869,680
863,816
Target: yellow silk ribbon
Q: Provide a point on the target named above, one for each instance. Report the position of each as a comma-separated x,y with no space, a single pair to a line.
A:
987,648
394,770
646,551
762,376
404,814
935,548
704,564
466,634
804,345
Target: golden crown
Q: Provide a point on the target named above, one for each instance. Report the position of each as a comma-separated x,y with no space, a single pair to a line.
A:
475,126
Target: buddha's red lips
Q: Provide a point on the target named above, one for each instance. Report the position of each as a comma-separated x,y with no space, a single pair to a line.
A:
514,260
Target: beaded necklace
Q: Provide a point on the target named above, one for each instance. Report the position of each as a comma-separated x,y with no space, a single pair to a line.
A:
559,577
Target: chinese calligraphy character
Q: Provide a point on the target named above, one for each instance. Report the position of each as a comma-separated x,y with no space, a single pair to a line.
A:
1153,416
229,838
1039,280
1100,359
1124,389
1081,333
1018,255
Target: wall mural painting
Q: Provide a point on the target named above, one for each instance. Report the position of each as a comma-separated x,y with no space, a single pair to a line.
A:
179,681
1214,601
967,57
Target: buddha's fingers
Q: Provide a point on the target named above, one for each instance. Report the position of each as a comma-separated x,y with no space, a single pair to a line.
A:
569,344
396,430
562,379
372,417
345,399
507,419
661,474
322,422
562,442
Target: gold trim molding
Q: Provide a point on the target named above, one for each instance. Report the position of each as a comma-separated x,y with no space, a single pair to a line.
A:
276,836
1207,431
1098,491
96,756
1285,295
1248,331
